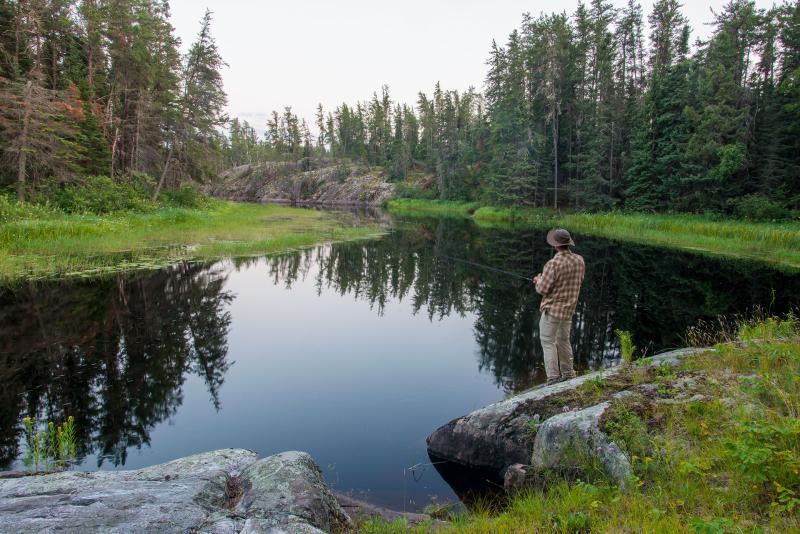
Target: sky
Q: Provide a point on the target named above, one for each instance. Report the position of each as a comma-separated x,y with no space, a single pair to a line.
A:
304,52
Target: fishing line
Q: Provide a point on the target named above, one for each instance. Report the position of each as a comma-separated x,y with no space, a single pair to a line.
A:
413,471
486,267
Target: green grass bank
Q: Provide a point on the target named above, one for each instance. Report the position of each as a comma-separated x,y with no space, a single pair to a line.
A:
725,461
37,242
774,243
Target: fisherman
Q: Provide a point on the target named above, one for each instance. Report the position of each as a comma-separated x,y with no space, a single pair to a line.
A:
559,283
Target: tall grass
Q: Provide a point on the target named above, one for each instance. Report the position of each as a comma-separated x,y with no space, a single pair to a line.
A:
419,207
56,244
774,243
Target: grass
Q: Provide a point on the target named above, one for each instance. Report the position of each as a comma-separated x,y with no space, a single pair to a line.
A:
416,207
57,244
774,243
726,460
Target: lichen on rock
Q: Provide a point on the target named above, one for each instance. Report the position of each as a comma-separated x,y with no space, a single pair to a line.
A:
281,493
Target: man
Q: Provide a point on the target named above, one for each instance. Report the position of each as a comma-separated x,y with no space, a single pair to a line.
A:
559,283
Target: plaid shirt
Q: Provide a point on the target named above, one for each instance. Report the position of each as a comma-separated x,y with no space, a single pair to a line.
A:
560,284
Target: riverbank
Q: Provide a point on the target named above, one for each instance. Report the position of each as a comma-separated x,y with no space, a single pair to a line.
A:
775,243
51,243
712,441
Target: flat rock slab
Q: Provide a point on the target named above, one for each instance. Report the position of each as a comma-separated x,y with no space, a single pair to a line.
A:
215,492
498,435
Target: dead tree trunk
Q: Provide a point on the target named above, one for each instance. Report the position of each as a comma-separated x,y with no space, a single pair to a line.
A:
22,161
163,174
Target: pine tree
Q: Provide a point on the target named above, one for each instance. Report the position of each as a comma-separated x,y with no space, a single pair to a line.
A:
202,106
660,141
34,128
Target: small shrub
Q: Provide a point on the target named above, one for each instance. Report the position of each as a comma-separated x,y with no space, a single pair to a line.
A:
718,525
186,196
626,347
768,454
576,523
53,447
416,191
341,173
768,329
759,208
102,195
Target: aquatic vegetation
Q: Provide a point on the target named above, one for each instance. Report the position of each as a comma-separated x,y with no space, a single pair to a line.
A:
53,447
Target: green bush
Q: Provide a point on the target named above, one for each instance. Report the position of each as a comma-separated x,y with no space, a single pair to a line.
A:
759,208
186,196
101,195
405,190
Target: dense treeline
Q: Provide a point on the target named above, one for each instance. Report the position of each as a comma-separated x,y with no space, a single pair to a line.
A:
99,87
597,109
594,110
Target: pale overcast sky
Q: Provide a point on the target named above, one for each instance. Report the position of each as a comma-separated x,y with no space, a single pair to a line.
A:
303,52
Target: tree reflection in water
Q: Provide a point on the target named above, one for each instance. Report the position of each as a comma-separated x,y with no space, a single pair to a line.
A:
654,293
113,353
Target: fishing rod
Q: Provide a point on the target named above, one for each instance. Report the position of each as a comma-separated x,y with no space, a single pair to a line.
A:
485,267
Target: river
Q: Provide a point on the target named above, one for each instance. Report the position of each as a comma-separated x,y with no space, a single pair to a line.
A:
352,352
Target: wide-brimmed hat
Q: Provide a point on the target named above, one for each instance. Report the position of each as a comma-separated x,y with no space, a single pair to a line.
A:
558,237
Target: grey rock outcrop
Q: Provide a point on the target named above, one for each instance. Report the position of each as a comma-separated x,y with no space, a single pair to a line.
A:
224,491
501,434
288,182
566,441
288,490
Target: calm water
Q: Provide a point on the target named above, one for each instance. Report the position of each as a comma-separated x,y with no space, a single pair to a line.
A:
352,352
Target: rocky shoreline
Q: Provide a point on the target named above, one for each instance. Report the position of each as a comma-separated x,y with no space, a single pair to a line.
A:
219,492
233,491
549,428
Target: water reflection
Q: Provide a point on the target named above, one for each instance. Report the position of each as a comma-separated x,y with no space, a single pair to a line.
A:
113,353
653,293
117,353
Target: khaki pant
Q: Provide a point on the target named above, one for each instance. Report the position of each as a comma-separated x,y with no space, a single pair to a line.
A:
554,334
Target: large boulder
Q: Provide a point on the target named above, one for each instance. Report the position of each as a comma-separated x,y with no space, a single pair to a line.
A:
571,440
287,490
501,434
222,491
